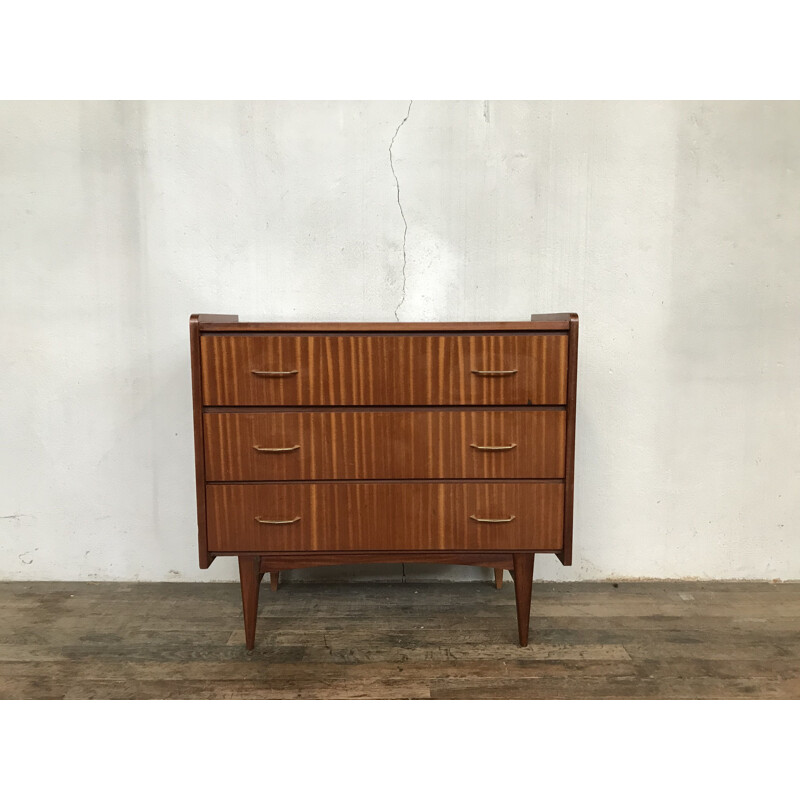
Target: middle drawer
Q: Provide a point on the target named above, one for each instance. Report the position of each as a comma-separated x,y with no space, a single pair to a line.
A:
399,445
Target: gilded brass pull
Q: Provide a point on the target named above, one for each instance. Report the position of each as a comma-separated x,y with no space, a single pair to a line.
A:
276,521
273,373
276,449
494,373
494,446
480,519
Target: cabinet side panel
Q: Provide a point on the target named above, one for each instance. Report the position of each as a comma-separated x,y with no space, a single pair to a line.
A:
199,449
569,466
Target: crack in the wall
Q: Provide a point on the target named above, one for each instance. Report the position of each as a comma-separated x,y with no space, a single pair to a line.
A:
400,206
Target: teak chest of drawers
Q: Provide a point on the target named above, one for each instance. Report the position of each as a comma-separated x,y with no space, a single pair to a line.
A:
333,443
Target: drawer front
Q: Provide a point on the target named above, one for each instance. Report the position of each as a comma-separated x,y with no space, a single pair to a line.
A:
384,516
357,445
352,370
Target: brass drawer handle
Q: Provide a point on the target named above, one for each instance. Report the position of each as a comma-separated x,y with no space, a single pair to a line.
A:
273,373
480,519
494,446
277,521
494,373
276,449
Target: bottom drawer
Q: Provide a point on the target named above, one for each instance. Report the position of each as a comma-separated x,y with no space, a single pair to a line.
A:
384,516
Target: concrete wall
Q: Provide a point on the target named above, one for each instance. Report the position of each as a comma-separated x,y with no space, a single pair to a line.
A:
673,229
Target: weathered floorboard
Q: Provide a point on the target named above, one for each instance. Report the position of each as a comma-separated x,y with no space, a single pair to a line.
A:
654,640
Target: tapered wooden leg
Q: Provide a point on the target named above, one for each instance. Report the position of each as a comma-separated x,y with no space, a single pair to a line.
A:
250,579
498,578
523,583
273,580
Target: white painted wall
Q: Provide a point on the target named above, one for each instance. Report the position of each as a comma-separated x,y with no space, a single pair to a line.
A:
673,229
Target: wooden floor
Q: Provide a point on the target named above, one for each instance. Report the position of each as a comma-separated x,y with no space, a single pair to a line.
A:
424,640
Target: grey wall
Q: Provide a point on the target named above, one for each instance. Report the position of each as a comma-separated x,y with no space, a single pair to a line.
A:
673,229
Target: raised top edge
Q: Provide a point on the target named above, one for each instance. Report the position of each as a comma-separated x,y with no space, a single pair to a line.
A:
538,322
201,319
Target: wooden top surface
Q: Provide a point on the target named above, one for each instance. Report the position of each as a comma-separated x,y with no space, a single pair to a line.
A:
214,323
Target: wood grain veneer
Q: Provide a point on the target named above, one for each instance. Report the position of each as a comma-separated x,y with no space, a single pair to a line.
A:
330,443
361,370
385,516
355,444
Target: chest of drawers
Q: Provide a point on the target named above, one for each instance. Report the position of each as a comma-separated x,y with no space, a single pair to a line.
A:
338,443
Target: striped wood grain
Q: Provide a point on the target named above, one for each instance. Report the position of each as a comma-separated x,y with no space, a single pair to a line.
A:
384,370
385,516
353,445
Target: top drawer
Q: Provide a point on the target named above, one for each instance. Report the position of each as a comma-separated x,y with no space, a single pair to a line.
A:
388,370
